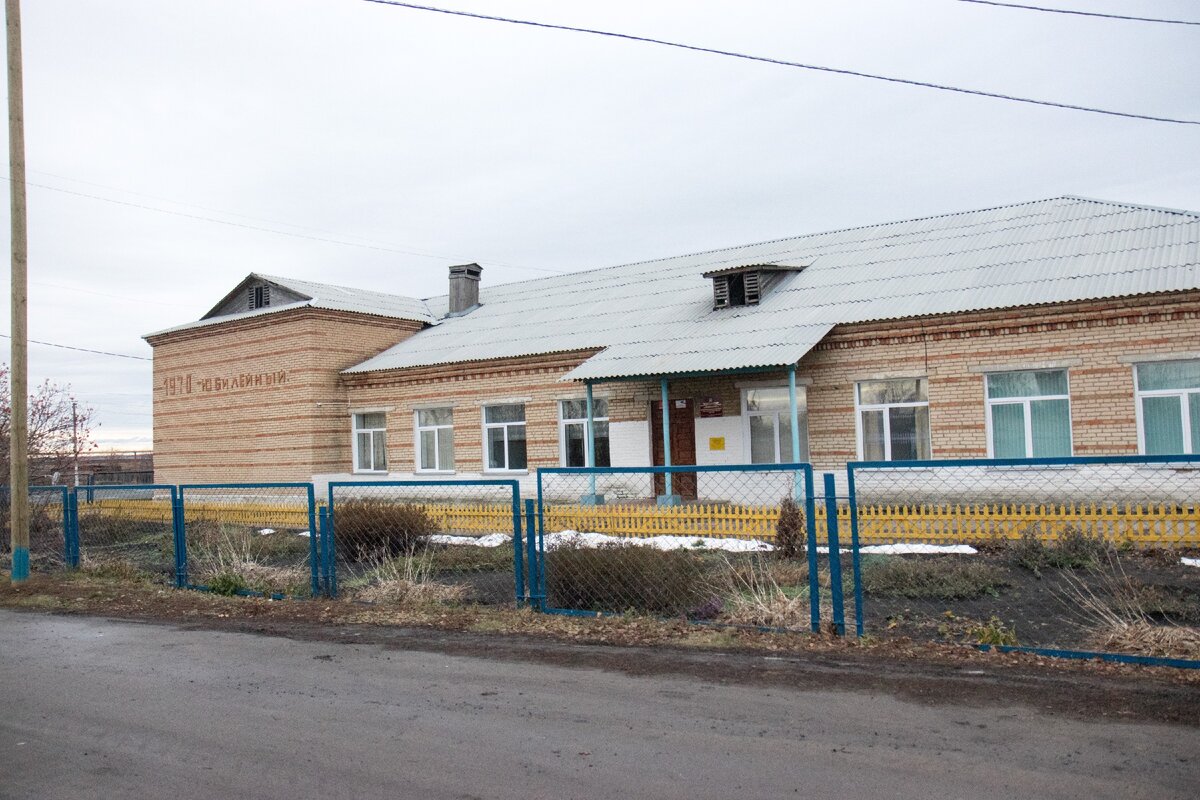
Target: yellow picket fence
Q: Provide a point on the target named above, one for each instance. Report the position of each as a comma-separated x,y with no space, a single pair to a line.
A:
1143,525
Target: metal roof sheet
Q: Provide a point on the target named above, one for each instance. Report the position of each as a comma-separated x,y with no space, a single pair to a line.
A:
656,317
324,296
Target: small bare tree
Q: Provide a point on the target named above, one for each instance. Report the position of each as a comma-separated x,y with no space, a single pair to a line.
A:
60,429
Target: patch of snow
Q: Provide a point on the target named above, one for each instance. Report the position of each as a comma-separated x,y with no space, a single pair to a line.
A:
921,549
571,538
266,531
490,540
1191,562
305,534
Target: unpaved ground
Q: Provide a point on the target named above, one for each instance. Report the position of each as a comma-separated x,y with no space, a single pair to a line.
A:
928,673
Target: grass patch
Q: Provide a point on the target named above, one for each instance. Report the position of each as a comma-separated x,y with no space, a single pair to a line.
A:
407,579
453,558
1073,549
935,578
237,555
765,593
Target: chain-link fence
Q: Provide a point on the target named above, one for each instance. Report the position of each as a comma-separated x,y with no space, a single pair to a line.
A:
724,545
423,541
127,530
50,547
249,538
1086,553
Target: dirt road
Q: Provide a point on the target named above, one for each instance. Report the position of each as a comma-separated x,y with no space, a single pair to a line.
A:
97,708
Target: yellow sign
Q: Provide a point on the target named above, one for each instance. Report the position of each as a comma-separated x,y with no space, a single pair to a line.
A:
716,443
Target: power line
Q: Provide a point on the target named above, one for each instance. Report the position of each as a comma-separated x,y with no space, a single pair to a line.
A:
783,63
84,349
419,254
1081,13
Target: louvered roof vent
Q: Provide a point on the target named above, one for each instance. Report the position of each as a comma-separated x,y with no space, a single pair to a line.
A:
746,285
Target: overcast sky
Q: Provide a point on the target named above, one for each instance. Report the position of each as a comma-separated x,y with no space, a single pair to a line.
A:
430,140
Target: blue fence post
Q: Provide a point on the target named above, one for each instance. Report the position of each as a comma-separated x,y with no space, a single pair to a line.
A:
177,503
835,556
531,548
71,528
323,549
314,569
810,523
518,553
854,554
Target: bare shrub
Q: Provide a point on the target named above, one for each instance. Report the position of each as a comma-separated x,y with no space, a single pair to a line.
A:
754,595
624,577
371,528
789,531
229,555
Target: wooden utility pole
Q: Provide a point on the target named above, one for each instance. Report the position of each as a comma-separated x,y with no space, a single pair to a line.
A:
19,422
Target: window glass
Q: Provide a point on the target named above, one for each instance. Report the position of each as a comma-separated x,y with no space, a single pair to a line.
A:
376,419
769,424
1168,375
1027,384
435,416
506,413
1008,430
775,399
872,433
900,390
762,439
445,445
909,432
370,441
1050,421
1194,419
379,450
573,431
363,441
495,440
516,446
1162,424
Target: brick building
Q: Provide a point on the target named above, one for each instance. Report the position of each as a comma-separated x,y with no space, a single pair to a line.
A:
1058,327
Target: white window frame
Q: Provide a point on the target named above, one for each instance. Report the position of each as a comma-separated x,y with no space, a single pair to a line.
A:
887,422
355,431
1138,394
439,468
563,422
489,425
801,391
1026,411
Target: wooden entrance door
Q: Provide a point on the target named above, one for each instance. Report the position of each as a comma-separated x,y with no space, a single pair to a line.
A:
683,446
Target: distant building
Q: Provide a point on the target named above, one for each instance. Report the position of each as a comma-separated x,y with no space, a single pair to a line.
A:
1057,327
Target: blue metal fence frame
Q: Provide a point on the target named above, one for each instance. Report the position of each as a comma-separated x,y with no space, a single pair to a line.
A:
1188,461
88,492
329,549
808,489
181,576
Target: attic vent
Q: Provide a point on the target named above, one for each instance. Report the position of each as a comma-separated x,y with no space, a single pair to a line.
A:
258,297
745,286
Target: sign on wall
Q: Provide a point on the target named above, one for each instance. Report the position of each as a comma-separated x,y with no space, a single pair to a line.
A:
184,384
711,407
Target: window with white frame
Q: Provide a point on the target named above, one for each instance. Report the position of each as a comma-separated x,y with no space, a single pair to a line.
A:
1029,414
572,432
768,424
893,419
435,439
504,437
370,442
1168,407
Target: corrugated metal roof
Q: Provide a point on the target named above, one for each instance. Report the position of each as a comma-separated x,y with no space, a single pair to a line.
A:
656,317
320,295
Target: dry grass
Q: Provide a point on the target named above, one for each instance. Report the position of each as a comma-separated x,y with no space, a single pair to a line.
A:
753,595
1117,619
405,580
229,554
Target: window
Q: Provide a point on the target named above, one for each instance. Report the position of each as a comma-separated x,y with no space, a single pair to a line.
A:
435,439
768,426
259,297
893,419
370,442
1168,407
1028,414
572,432
504,437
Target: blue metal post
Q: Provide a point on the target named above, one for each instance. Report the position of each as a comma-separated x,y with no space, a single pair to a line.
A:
518,552
810,523
181,576
668,488
323,532
591,499
531,547
835,556
71,529
795,413
314,568
858,593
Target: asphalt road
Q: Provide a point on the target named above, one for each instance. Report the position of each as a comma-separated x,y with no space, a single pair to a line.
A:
95,708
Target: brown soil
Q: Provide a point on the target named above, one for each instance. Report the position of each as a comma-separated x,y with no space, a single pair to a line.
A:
924,672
